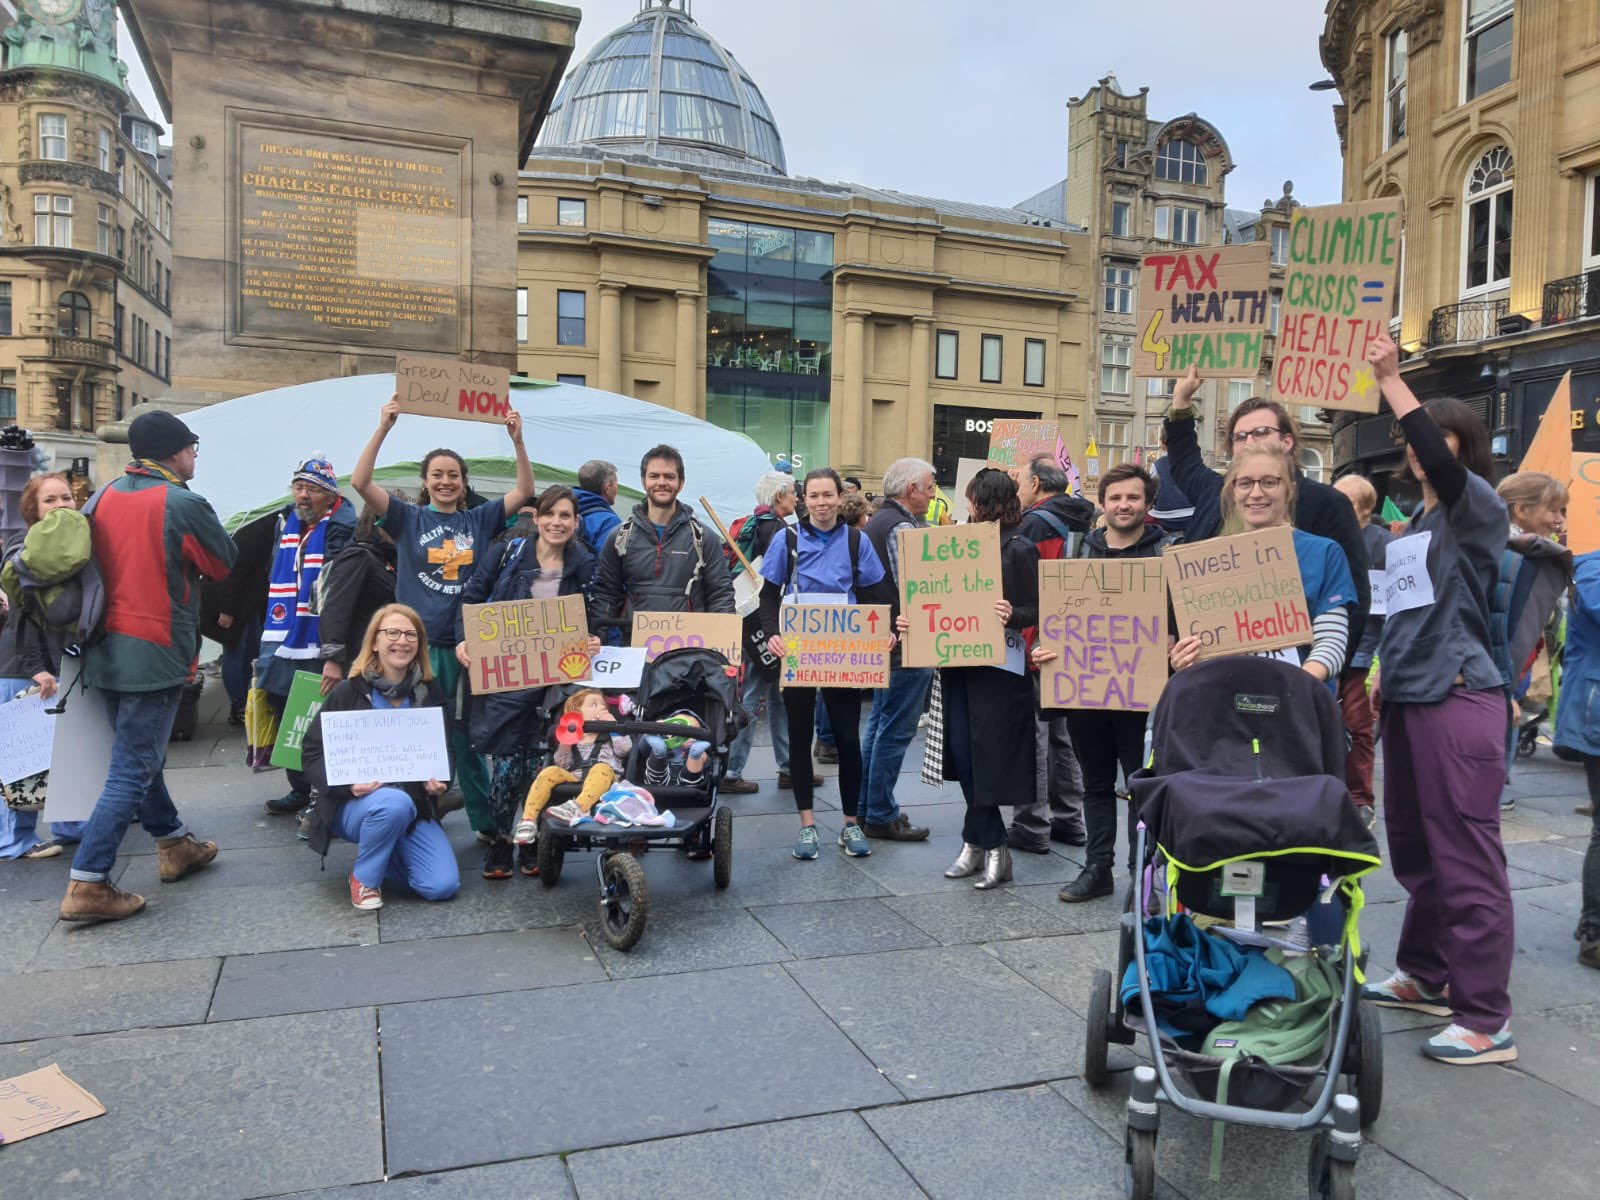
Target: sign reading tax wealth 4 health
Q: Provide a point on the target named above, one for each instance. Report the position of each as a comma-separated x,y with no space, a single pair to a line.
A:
1106,619
1338,296
659,632
1206,309
835,645
445,387
1238,594
517,644
949,582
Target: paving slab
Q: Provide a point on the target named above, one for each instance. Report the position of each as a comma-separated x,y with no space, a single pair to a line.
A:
188,922
917,868
943,819
1552,858
1381,886
678,938
45,1004
945,1020
959,917
209,1112
247,866
490,906
256,985
606,1064
834,1157
24,925
1062,967
760,876
1026,1144
776,831
1086,916
1562,1048
833,927
233,827
525,1179
1256,1163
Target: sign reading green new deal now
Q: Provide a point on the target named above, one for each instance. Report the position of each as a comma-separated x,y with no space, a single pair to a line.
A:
304,703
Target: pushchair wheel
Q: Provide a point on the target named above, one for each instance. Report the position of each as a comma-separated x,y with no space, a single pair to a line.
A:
549,855
1330,1178
722,847
624,900
1097,1040
1369,1061
1139,1152
1527,742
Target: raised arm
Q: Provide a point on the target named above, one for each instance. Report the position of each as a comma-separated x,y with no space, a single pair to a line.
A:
1447,474
523,491
361,476
1199,482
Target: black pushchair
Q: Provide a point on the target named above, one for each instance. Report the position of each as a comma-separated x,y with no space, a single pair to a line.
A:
702,682
1242,806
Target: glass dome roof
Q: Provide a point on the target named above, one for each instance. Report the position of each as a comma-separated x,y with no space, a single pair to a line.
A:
660,85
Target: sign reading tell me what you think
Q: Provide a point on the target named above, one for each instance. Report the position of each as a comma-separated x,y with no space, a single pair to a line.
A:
1206,309
1238,594
1338,296
949,582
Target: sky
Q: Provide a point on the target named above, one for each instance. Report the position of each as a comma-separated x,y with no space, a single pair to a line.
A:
967,101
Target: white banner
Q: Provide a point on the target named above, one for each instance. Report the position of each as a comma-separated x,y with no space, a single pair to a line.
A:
384,745
26,734
1406,582
80,756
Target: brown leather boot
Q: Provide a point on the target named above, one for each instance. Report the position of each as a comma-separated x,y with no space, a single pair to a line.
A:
178,857
98,902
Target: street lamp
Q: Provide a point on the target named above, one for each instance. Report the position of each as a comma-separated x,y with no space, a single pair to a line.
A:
1324,85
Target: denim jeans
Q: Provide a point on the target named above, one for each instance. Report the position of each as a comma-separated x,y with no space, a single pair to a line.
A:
237,661
891,725
755,687
393,846
141,723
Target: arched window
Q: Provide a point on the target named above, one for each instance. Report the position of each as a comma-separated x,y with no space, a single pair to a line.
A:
1487,228
1180,161
72,314
1311,462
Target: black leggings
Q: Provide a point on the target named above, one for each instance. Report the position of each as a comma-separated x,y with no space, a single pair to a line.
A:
844,714
1589,916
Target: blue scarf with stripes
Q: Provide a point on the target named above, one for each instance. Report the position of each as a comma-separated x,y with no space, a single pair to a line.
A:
290,620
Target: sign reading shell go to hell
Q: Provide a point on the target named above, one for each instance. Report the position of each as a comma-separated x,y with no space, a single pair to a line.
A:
446,387
659,632
1207,309
1106,619
1338,296
517,644
1238,594
835,645
949,581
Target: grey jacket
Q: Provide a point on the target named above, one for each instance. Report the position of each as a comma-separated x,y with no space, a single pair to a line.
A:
681,570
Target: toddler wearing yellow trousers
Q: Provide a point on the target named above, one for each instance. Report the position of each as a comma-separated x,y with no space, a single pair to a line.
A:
596,762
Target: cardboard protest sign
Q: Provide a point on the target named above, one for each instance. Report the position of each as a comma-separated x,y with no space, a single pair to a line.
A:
1106,619
447,387
618,668
1016,443
1338,296
1204,308
40,1101
80,754
301,708
659,632
1552,452
517,644
1239,594
27,733
835,645
949,581
389,745
966,468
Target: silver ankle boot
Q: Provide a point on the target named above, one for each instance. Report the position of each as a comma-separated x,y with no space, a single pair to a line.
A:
996,869
966,863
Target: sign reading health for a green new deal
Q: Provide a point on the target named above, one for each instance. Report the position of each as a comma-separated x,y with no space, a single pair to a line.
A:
1106,619
1205,308
835,645
949,581
1338,296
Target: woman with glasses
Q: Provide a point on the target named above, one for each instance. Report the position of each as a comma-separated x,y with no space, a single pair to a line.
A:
1258,492
395,826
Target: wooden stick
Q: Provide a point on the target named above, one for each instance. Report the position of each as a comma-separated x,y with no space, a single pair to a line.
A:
728,540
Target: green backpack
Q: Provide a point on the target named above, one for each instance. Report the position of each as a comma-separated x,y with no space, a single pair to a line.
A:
1283,1032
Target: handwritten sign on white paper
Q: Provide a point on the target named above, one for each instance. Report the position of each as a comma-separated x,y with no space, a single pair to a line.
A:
1406,582
391,745
26,734
618,668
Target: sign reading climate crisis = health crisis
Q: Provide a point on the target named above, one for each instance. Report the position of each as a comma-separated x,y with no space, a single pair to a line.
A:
1238,594
1106,619
517,644
1207,309
1338,296
949,582
835,645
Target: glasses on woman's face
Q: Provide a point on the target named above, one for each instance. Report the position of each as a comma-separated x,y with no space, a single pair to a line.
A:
1259,434
1268,485
399,635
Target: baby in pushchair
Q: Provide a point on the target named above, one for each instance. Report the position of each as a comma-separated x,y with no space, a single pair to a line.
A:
596,761
676,761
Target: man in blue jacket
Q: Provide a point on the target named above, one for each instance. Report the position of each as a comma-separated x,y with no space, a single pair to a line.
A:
597,498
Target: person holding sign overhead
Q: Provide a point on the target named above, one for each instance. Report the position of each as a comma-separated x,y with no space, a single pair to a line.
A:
438,545
1443,729
395,826
821,562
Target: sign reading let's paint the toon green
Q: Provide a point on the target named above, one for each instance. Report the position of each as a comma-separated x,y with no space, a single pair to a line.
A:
1338,296
949,582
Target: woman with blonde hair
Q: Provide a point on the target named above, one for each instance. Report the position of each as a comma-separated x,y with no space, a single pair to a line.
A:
395,826
1258,493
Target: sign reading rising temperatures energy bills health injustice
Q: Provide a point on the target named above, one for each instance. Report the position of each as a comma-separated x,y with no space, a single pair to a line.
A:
949,582
835,645
444,387
517,644
1238,594
1338,296
1206,309
659,632
1106,619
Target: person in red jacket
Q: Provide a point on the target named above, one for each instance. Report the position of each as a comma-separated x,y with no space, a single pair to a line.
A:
154,540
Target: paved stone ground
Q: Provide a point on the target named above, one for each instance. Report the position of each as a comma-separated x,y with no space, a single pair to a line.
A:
837,1028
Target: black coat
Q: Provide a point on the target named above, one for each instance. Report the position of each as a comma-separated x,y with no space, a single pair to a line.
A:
683,570
354,695
1000,706
354,585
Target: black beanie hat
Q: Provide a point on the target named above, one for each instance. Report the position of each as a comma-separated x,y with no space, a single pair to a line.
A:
158,435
